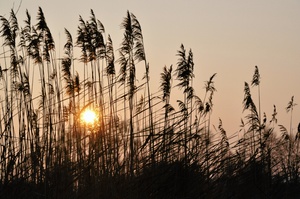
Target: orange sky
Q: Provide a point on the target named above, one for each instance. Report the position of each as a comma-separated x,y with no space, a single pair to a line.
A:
227,37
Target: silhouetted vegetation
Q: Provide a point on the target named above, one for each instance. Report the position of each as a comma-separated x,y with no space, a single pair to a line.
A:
140,145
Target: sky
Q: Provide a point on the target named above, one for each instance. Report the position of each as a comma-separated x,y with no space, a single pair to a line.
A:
227,37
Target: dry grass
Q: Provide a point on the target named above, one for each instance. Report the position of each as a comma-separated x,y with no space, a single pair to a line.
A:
140,146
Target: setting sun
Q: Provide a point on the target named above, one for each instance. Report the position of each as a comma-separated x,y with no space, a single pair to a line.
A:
88,116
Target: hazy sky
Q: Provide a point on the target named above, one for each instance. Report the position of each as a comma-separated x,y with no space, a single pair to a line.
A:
227,37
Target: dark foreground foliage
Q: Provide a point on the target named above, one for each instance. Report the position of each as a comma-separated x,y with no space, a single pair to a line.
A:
165,180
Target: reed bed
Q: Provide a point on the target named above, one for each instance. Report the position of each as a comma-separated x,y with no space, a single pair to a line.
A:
139,145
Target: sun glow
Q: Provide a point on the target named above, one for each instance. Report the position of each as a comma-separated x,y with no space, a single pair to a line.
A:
88,116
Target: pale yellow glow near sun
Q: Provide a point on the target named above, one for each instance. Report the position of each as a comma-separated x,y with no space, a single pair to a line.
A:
88,116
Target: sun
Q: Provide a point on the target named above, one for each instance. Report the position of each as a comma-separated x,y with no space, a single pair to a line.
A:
88,116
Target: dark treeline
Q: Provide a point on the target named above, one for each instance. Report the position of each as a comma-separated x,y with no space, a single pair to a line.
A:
140,145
